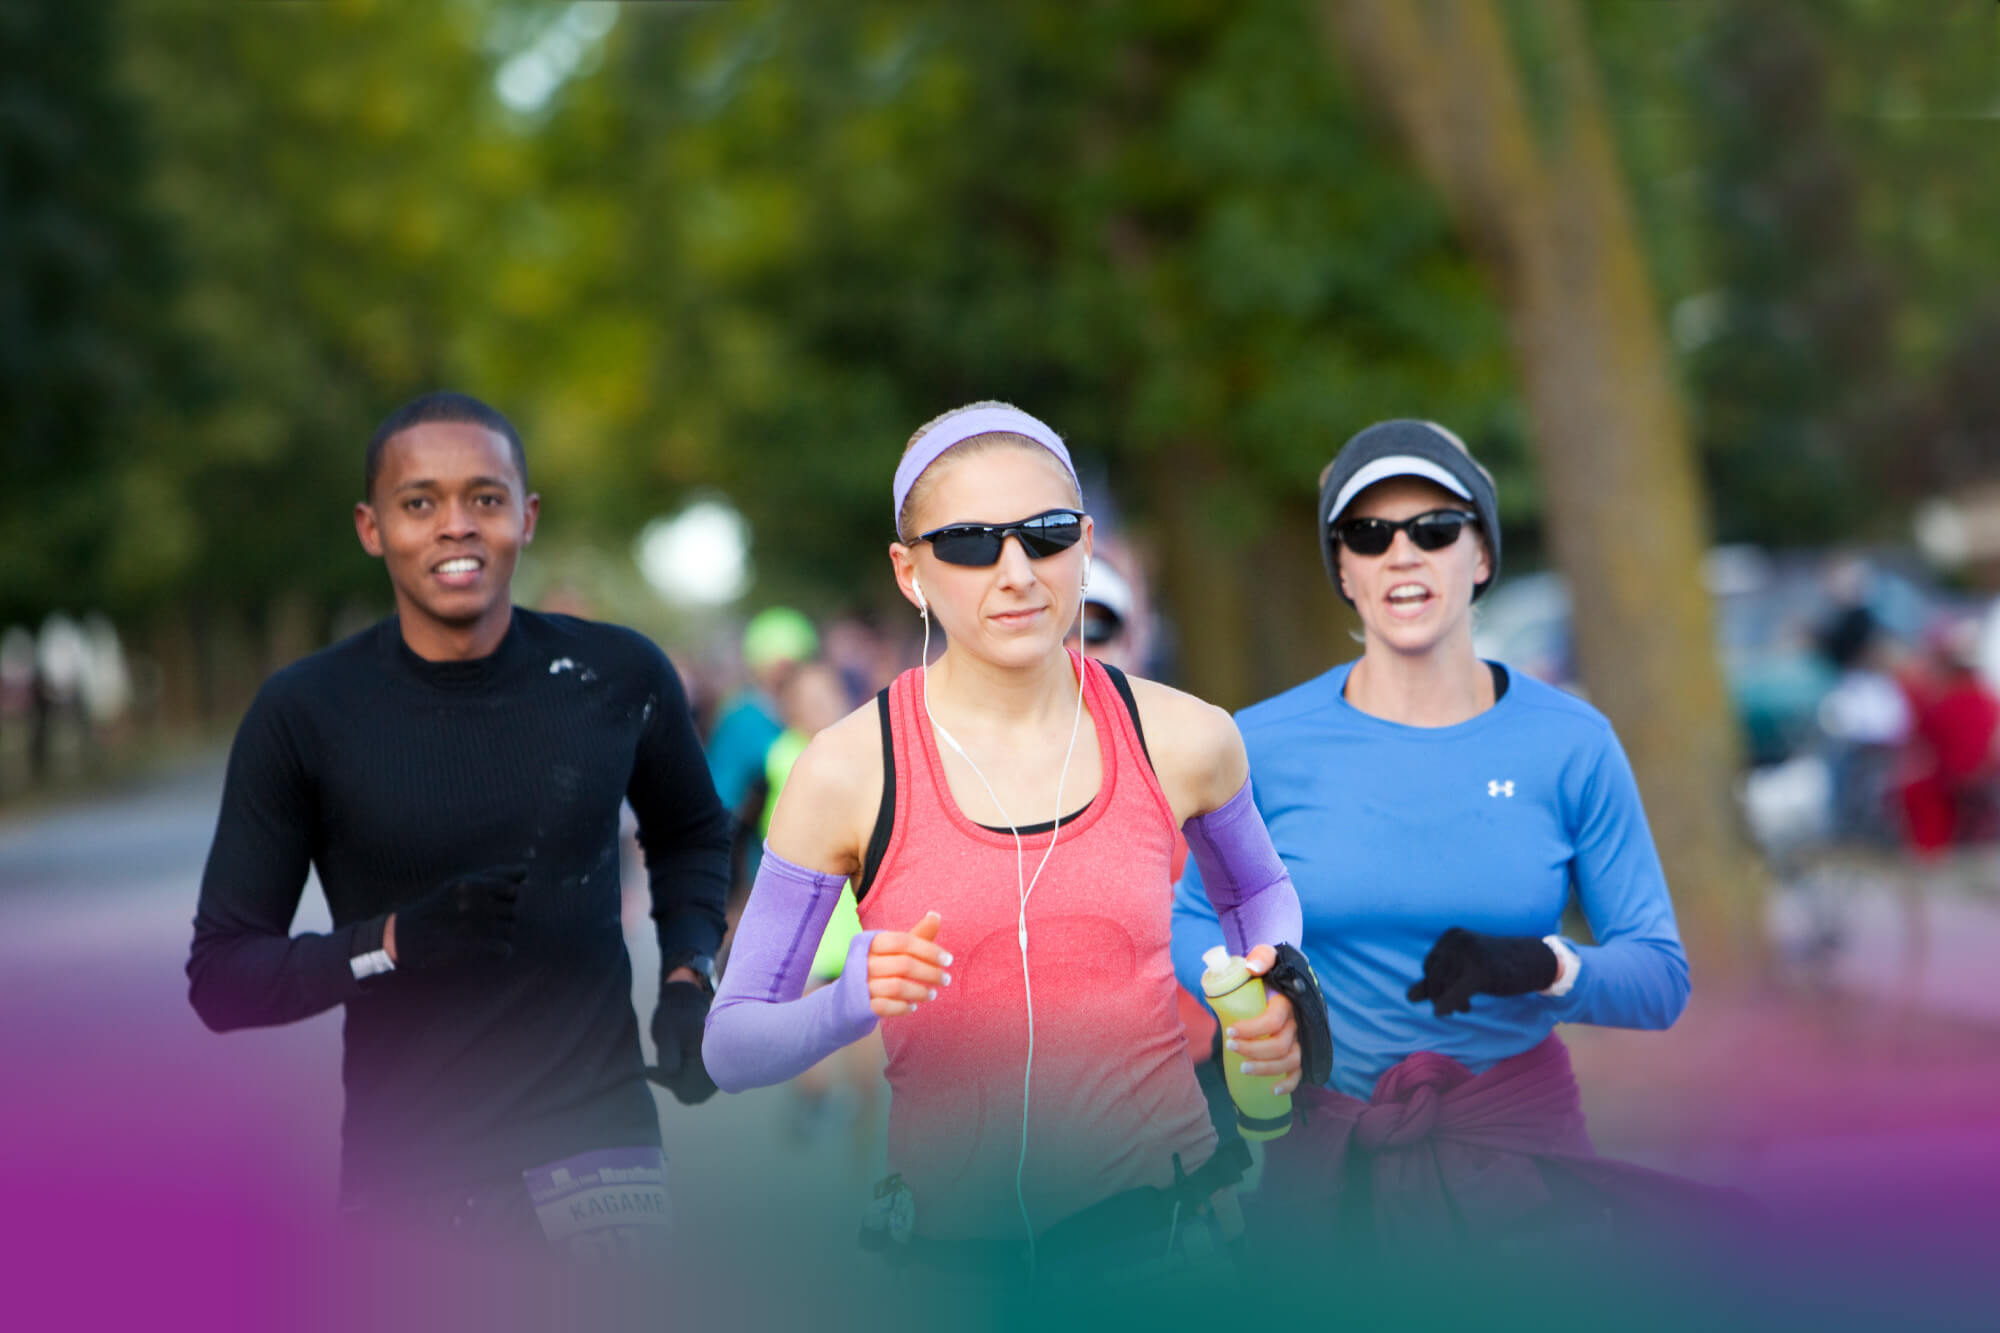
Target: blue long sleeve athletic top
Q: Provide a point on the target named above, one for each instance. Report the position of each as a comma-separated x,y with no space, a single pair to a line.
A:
1393,834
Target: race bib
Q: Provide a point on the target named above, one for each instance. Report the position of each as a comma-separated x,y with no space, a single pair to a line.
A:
604,1205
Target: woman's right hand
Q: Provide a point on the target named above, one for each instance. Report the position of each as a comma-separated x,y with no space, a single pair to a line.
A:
906,967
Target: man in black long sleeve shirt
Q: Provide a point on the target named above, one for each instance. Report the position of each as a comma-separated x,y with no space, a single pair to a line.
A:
454,774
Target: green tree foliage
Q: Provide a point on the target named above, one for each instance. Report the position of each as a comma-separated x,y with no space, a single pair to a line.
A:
334,174
1158,226
1789,350
1842,203
765,242
1916,90
761,242
90,370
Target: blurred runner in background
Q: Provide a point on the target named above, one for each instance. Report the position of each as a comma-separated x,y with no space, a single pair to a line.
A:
775,642
1111,630
1953,770
844,1088
1865,718
1950,788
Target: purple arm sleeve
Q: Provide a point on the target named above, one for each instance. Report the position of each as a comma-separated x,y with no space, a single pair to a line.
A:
1247,883
760,1031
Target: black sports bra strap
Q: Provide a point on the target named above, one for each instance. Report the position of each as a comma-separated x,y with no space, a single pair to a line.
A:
885,814
1124,688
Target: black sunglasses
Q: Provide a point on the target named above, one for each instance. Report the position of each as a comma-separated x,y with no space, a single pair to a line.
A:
1101,629
1432,531
975,544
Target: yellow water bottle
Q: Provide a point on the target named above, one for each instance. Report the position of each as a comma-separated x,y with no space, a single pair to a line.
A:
1236,993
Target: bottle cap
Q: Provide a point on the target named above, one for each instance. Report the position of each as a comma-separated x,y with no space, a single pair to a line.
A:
1224,974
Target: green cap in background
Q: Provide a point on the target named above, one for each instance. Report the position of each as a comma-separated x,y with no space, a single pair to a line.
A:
778,634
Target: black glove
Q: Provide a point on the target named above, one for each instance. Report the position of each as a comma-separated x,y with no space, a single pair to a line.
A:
1463,964
677,1026
462,920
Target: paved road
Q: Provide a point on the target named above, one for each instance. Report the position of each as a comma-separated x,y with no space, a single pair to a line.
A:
136,1129
1938,960
126,1127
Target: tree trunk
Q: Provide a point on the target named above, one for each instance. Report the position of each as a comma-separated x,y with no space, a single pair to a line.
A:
172,657
1542,205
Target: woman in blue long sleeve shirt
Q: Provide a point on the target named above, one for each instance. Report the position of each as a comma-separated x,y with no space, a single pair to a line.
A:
1435,811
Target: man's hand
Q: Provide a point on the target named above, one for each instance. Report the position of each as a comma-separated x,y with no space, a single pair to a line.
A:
906,967
677,1026
1268,1043
1464,963
462,920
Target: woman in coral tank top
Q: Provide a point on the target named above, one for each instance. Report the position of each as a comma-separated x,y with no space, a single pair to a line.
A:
1009,837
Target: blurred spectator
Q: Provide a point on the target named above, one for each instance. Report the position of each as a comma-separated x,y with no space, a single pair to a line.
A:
1118,622
17,699
1952,766
63,657
64,692
866,659
1847,636
1865,717
1110,618
845,1086
811,699
17,672
107,680
775,642
709,672
62,660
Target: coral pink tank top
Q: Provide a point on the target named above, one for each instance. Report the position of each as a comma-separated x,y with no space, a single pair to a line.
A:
1113,1095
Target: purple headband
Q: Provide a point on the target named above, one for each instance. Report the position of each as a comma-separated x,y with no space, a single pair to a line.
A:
962,426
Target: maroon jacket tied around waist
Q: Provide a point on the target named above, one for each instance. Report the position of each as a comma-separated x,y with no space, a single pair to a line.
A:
1450,1153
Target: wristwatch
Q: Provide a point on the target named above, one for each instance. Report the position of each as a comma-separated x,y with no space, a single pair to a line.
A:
372,960
701,964
1568,965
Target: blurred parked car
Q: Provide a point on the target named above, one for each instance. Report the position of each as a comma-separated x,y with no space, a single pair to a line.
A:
1768,610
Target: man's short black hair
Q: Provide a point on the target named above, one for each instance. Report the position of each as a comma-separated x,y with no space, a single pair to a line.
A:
441,406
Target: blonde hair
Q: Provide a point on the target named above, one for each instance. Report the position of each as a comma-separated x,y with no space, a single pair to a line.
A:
968,448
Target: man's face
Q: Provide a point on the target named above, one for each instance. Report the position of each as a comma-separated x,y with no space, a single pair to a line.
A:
448,516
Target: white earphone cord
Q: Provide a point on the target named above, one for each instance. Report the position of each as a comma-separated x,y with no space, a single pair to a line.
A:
1025,885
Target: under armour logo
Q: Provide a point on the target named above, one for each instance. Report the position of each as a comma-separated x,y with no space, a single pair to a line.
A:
1497,788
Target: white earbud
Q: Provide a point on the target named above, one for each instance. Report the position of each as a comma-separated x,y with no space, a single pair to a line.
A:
1086,573
1024,882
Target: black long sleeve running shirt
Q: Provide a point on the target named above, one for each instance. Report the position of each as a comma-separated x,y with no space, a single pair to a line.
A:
390,775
